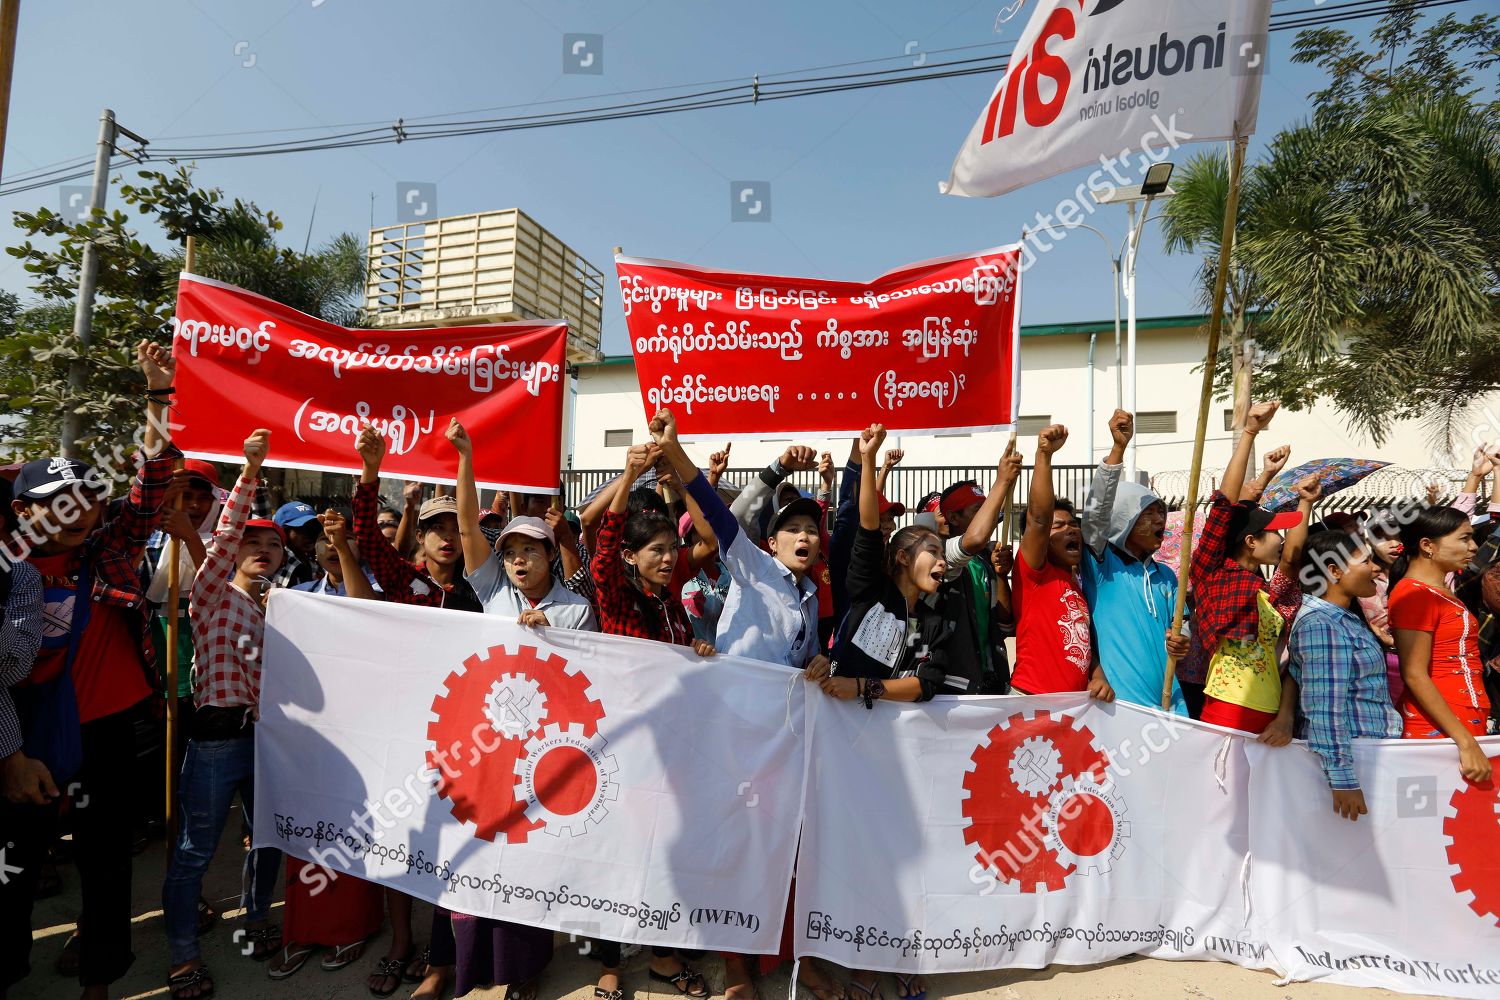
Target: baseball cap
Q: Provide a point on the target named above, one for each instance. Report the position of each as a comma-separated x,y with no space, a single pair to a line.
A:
895,508
531,527
965,493
43,477
197,468
490,514
929,503
438,505
1252,519
261,522
294,514
794,508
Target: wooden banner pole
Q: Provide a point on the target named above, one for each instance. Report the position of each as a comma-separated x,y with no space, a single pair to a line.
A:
174,596
1210,361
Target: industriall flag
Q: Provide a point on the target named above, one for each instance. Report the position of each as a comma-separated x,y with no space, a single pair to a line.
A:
1111,82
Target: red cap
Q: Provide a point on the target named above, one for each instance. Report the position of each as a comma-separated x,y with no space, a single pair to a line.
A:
893,508
197,468
266,522
959,497
1286,519
930,505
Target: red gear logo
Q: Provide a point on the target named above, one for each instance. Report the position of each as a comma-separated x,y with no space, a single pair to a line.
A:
1038,803
1473,831
490,708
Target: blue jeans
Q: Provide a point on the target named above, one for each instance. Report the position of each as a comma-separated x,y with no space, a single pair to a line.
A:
212,771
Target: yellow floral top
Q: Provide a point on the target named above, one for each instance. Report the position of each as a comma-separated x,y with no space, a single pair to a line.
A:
1248,674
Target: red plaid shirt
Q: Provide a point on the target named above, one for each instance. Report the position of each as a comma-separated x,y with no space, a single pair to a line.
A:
228,624
619,602
401,581
1225,592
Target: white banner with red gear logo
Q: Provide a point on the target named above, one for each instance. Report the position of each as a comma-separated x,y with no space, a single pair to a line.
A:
983,833
603,786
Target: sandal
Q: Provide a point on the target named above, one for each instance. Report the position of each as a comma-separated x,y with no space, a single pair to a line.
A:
388,969
264,942
67,959
342,955
904,982
207,917
688,982
871,992
195,979
526,990
600,993
291,961
422,958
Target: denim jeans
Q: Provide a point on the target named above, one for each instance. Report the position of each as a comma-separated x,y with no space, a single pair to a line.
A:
212,771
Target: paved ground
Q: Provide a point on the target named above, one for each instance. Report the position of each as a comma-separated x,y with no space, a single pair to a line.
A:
571,977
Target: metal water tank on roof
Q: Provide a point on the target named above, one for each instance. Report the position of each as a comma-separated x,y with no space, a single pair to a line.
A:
490,267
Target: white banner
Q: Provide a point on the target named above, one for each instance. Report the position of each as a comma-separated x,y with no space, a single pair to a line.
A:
599,785
1104,81
1407,898
1025,832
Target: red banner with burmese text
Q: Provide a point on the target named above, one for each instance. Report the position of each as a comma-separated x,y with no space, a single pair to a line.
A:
928,347
244,361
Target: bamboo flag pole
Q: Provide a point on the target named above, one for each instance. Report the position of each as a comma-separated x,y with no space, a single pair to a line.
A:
1215,322
174,595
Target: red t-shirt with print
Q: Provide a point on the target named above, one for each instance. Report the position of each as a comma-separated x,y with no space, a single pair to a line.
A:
1053,646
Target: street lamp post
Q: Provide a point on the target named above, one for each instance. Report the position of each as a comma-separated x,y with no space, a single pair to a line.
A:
1153,187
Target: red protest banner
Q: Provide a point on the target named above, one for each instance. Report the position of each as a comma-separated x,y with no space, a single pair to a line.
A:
244,361
931,346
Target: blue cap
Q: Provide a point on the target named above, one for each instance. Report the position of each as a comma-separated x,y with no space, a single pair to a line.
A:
294,514
43,477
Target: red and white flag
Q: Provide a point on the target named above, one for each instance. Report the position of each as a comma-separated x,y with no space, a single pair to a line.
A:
928,347
1117,83
245,361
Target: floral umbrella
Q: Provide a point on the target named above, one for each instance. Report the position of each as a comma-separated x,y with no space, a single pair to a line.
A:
1334,473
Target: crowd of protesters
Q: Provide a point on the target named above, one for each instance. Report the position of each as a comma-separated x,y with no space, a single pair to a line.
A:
1366,626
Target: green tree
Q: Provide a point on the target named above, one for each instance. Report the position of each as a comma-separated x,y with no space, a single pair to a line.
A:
137,290
1367,253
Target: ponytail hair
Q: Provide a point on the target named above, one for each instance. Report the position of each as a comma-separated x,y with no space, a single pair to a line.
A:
1432,522
907,540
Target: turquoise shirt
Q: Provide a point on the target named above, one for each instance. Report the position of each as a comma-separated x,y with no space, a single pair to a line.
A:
1132,604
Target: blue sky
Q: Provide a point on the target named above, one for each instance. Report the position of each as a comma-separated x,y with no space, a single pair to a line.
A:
853,176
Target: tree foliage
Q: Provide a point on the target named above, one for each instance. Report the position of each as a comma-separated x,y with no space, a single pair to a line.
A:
137,291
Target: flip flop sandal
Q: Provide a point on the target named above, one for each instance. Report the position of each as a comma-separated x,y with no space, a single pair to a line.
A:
178,985
207,917
600,993
905,983
341,956
422,958
871,992
268,936
524,991
389,968
297,960
684,981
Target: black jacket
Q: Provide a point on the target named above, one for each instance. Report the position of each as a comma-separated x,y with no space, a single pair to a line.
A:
871,591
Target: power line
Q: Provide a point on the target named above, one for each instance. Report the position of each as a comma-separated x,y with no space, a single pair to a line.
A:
783,85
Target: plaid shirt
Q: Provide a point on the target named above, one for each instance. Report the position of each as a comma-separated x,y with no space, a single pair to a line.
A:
20,637
402,582
1340,669
619,602
1225,591
228,624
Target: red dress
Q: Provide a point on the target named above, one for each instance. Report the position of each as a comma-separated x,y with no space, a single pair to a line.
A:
1455,668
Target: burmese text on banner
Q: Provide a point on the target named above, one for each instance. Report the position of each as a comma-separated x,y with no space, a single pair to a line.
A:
928,347
1026,832
1115,84
598,785
245,361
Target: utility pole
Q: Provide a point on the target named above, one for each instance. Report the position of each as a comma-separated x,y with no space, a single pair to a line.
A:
10,15
88,279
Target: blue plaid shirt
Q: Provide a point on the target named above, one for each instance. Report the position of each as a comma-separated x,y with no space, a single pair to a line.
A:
1340,670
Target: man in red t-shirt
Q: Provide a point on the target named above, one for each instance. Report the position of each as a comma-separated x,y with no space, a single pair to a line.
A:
78,707
1054,651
